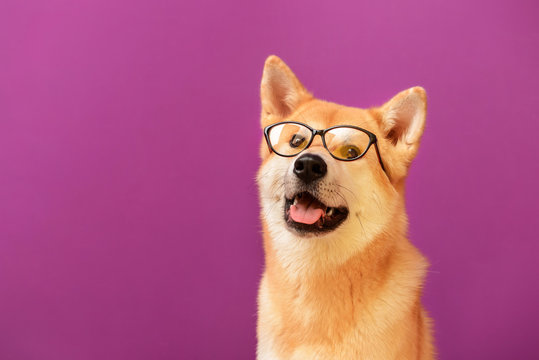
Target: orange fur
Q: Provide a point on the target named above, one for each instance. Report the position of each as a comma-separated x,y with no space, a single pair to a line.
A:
355,292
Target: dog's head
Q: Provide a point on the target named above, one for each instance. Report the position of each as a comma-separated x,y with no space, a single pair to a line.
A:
325,195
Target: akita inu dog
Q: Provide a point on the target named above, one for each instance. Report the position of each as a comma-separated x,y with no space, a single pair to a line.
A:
341,279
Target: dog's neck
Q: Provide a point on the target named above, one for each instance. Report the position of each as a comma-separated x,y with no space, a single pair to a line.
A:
373,259
364,272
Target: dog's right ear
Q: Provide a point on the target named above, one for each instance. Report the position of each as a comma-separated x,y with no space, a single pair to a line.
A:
280,91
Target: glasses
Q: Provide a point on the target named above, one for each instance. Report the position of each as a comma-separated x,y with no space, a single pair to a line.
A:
343,142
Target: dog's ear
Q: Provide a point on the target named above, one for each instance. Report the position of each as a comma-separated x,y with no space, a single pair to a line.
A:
280,91
403,121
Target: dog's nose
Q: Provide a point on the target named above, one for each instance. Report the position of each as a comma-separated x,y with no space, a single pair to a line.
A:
310,167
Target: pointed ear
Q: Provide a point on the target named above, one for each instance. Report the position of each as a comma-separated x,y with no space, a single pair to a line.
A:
403,120
280,91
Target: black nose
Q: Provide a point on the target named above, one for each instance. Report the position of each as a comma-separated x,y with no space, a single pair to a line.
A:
310,167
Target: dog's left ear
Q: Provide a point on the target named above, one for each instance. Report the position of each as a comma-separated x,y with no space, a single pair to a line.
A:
403,121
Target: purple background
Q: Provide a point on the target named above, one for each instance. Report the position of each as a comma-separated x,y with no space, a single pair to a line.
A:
129,136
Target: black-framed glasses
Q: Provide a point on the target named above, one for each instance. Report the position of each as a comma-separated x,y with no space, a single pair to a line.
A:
343,142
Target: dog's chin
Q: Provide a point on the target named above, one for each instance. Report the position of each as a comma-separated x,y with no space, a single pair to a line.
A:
330,217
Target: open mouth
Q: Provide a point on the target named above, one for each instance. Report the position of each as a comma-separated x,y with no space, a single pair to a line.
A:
305,213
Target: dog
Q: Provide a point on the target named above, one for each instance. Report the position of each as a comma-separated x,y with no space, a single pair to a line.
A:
341,279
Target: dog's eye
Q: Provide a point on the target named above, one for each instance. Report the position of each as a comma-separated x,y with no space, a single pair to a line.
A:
349,152
297,140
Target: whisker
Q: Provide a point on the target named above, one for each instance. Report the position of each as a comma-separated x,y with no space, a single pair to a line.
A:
342,197
361,223
351,192
377,201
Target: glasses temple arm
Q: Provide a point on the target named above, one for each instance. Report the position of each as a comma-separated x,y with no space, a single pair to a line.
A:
379,157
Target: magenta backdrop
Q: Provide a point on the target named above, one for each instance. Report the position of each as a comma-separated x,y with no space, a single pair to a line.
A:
128,148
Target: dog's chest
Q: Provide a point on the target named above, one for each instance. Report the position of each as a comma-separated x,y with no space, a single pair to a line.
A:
333,325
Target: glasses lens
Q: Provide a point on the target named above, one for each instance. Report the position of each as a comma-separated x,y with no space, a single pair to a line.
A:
347,143
289,139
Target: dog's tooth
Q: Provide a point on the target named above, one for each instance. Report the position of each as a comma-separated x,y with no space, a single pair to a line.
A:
330,211
295,200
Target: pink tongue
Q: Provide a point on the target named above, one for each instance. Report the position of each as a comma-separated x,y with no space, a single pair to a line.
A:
305,213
